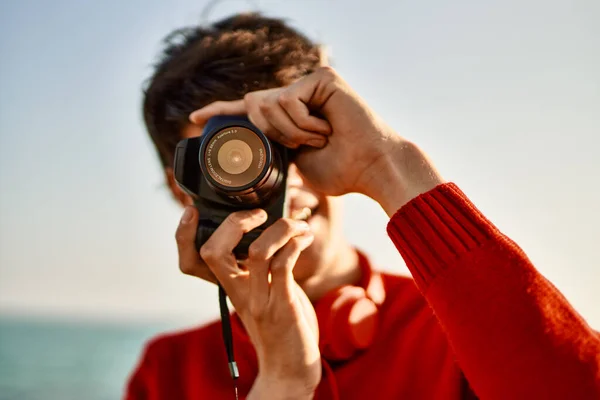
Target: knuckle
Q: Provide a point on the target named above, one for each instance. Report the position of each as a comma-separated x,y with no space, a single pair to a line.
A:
249,98
186,268
283,226
235,219
278,264
264,106
208,253
240,218
327,71
180,236
257,251
296,244
288,225
284,99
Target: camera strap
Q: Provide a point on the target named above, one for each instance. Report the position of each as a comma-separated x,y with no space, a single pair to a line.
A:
228,337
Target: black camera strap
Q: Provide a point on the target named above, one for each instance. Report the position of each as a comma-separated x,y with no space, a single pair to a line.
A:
228,337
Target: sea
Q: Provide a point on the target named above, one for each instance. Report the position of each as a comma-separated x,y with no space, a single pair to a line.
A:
67,360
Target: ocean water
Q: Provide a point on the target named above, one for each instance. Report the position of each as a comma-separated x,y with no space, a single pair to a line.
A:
53,360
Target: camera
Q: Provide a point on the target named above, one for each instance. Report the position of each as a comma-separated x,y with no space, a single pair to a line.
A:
232,166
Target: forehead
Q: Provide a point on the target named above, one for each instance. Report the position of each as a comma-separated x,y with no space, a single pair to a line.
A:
191,130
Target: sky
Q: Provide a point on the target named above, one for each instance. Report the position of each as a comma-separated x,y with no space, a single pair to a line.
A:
503,95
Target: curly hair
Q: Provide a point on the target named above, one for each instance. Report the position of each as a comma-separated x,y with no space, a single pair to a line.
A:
222,61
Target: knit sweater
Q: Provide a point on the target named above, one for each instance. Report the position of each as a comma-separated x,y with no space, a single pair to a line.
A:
477,321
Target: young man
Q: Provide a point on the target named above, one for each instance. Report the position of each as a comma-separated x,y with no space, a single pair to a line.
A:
480,321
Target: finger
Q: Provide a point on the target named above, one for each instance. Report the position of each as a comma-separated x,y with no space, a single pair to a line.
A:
300,114
259,257
217,251
280,119
202,115
318,87
259,288
190,262
310,93
274,238
282,265
258,120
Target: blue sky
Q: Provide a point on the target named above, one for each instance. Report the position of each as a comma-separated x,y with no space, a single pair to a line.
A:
504,96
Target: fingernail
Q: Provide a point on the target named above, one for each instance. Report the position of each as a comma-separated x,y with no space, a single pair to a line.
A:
187,216
316,142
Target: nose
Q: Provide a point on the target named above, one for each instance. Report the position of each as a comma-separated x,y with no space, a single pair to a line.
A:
294,178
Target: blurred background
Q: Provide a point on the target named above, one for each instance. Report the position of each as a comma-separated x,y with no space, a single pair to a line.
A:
504,96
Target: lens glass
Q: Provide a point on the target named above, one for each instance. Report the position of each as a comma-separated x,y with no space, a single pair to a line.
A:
234,157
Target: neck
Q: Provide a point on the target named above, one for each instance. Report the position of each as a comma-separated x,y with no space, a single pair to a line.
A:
342,269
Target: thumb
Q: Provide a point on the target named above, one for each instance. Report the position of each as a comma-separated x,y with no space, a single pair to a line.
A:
186,240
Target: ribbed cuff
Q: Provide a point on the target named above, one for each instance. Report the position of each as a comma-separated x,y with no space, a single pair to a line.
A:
434,229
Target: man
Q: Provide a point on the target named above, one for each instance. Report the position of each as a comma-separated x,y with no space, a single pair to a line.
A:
480,321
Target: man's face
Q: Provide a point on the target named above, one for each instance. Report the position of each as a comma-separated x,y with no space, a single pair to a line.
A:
325,220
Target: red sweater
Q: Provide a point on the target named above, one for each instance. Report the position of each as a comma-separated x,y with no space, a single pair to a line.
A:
481,321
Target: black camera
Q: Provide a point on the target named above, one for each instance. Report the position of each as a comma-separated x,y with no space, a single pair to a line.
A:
233,166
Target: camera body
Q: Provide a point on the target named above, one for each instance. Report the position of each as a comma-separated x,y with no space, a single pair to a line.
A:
233,166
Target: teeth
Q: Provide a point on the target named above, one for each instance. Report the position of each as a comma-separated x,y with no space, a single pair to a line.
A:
303,214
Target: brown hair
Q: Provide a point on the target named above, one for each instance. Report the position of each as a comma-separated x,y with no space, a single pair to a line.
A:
223,61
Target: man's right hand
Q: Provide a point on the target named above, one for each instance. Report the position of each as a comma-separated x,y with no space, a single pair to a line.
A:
276,313
347,149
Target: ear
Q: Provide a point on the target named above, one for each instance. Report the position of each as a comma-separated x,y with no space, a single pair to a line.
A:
178,194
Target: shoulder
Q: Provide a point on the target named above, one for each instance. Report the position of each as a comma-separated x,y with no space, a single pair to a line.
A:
169,360
173,346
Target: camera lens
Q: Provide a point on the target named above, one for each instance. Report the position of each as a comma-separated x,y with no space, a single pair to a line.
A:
240,162
235,157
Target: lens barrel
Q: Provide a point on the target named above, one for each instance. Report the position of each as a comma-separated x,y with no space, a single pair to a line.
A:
238,161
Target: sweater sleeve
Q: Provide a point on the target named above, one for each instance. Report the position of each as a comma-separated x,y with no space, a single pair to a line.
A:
514,334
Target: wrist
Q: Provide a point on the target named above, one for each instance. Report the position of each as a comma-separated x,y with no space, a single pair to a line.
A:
279,388
400,173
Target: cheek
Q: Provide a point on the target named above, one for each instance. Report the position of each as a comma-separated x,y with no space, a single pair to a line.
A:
324,227
323,231
318,223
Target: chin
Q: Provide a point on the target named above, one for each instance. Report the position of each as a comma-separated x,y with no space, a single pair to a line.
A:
323,216
308,264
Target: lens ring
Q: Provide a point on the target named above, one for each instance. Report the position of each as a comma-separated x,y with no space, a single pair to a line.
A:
234,157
